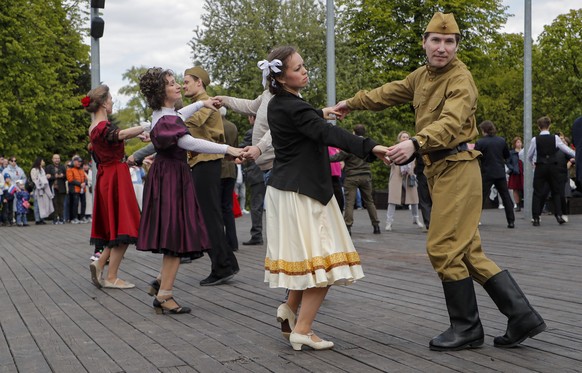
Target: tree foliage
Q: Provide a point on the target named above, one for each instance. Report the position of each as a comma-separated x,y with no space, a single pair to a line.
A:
45,72
236,34
557,71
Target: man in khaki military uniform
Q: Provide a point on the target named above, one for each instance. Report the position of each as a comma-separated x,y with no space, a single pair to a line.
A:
444,97
205,170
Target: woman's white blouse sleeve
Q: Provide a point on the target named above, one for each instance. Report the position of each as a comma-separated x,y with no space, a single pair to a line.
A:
193,144
187,111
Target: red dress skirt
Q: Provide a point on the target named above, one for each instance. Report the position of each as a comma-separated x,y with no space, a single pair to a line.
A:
515,182
115,210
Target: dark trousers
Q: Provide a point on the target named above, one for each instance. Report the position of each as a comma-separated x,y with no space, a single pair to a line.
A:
8,211
74,199
59,203
424,200
546,174
338,192
501,186
83,202
226,191
206,176
257,206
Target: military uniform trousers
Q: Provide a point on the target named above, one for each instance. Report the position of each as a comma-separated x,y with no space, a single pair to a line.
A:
453,241
364,183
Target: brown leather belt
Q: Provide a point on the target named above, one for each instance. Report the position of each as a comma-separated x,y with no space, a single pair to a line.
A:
437,155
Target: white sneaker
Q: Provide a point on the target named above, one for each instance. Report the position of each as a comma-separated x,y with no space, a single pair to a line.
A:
388,227
565,217
501,207
75,221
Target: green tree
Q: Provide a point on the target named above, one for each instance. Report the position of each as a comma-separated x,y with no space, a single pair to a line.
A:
500,84
235,35
136,109
557,71
384,41
44,72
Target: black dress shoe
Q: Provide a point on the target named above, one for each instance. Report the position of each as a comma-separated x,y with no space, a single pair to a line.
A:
214,280
536,222
510,225
253,242
560,219
376,229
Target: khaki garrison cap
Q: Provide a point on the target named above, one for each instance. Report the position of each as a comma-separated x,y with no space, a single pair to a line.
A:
200,73
443,24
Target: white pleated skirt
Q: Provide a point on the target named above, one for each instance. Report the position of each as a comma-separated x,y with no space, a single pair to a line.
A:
308,243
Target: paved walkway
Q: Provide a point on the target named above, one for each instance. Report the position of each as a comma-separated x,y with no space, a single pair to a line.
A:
53,319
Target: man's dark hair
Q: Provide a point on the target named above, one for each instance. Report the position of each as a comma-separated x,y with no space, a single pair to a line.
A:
360,130
544,123
488,127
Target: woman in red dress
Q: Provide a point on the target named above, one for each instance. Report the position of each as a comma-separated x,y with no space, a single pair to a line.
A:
115,210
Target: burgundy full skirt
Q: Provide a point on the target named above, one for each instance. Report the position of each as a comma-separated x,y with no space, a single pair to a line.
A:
172,222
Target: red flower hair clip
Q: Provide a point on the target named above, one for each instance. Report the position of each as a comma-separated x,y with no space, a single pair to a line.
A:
86,101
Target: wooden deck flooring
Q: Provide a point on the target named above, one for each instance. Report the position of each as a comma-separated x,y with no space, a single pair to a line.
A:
53,319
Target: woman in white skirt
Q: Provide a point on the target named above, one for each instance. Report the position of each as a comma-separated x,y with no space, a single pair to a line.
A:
309,248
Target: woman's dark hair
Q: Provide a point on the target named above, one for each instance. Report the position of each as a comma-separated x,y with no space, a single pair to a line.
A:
37,163
97,97
488,127
280,53
152,85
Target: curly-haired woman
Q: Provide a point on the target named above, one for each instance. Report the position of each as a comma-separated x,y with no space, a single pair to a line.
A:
172,223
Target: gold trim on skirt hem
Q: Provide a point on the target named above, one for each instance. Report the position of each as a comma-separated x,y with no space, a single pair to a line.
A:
310,266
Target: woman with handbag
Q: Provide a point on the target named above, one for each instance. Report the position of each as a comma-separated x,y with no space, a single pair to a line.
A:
402,189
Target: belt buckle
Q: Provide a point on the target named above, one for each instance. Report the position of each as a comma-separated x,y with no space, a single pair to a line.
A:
426,160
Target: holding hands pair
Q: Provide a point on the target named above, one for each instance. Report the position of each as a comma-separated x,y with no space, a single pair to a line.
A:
398,154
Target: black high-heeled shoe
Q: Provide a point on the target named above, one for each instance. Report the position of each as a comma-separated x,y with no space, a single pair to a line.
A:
154,287
160,309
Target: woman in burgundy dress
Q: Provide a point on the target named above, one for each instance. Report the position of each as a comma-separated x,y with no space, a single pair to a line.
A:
172,223
115,210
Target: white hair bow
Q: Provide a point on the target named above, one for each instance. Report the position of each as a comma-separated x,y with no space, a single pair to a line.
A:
265,66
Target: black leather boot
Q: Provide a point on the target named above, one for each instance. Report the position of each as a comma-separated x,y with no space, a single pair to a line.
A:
523,321
466,330
376,229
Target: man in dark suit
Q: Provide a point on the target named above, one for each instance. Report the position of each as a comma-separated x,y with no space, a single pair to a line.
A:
495,153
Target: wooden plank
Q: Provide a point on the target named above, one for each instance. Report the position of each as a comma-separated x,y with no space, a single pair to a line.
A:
382,323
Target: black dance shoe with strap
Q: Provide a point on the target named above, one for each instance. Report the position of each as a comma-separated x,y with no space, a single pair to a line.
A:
161,307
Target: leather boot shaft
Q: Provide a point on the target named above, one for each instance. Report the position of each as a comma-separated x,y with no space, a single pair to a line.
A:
523,320
466,330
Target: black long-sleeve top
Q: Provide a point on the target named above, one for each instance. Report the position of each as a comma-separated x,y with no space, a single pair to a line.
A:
300,138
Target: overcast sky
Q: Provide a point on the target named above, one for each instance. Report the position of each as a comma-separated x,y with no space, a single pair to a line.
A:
151,33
